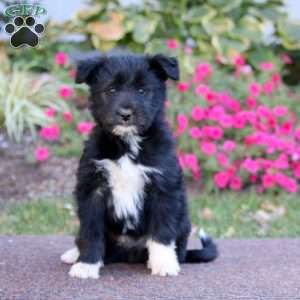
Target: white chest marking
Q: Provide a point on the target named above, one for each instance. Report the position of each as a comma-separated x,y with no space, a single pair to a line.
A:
127,181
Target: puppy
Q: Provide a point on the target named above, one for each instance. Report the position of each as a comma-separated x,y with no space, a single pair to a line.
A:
130,190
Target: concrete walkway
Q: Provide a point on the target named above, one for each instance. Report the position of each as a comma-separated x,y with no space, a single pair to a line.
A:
30,269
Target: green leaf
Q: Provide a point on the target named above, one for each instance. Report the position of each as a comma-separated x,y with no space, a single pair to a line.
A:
199,13
143,29
228,46
217,26
290,34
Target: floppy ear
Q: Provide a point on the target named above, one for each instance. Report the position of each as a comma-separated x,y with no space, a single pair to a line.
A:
87,69
165,67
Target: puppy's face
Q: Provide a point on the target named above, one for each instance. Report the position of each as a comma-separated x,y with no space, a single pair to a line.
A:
127,91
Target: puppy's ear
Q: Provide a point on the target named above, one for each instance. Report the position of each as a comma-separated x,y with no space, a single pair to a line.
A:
87,69
165,67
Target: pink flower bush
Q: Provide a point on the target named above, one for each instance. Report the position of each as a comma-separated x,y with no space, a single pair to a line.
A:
41,153
65,92
85,127
236,142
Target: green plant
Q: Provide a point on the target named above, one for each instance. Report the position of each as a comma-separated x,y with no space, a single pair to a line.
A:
23,98
213,27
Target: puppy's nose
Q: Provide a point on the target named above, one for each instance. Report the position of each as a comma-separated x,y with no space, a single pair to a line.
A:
125,113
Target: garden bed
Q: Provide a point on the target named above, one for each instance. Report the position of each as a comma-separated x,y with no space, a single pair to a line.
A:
21,180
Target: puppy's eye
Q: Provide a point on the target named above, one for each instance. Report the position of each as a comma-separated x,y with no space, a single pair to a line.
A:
141,91
112,90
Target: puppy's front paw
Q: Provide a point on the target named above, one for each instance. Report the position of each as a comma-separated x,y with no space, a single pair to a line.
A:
70,256
83,270
162,260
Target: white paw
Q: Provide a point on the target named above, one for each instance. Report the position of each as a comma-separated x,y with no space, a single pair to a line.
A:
162,259
70,256
83,270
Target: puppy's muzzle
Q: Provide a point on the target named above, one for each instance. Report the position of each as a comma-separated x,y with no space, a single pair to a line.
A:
125,116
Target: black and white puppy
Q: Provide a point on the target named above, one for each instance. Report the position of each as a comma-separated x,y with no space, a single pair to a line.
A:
130,190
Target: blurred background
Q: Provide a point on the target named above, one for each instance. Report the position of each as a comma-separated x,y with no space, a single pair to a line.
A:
234,113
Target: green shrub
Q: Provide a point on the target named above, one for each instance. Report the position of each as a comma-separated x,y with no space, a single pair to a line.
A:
215,26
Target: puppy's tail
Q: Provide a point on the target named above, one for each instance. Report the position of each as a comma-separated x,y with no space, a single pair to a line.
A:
209,251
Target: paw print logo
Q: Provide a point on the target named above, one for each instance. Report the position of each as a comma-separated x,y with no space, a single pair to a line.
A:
24,32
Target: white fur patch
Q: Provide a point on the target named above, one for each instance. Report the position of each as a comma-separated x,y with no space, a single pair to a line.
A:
83,270
70,256
127,180
129,135
162,259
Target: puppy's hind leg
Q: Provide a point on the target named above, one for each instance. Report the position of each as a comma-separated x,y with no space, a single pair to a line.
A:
70,256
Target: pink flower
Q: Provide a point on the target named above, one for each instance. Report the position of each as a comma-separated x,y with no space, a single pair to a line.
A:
276,79
268,181
202,90
297,134
246,69
254,89
266,66
286,128
222,159
208,148
65,92
172,44
41,153
85,127
197,113
268,87
296,171
68,116
191,161
251,102
280,110
236,183
182,122
61,58
281,162
213,132
251,165
226,121
286,59
195,132
50,133
202,71
221,179
229,146
239,60
182,87
50,112
239,121
216,112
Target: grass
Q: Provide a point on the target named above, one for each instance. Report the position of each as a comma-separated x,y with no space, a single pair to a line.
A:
223,215
38,217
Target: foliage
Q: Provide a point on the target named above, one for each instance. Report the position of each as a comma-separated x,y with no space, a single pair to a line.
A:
23,97
214,27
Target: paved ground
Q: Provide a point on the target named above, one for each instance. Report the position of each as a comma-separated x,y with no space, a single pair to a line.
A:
247,269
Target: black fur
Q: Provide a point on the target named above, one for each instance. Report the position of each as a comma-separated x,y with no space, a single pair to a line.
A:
137,83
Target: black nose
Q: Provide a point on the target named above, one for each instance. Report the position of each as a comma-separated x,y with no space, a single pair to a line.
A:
125,113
